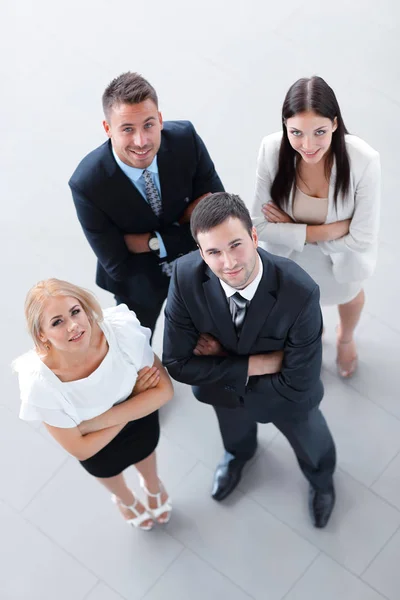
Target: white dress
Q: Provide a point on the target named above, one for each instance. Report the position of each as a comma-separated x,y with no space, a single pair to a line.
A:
313,211
44,397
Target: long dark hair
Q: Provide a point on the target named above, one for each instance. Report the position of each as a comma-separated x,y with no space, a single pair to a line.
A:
304,95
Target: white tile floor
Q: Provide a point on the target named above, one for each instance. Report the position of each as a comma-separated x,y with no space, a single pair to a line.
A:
227,69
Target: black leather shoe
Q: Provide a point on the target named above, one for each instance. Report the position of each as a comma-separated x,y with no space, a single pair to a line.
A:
227,476
321,503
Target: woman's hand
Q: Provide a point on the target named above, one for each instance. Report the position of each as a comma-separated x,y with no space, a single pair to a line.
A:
273,214
147,378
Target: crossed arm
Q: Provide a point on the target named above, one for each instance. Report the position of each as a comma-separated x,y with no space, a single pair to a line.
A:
152,389
290,378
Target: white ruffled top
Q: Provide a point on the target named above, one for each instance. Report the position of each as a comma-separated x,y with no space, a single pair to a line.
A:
44,397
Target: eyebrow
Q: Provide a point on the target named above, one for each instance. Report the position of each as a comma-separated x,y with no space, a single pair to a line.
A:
230,244
316,129
133,124
70,310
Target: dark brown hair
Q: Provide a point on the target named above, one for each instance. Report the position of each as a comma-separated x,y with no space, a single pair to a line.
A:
128,88
215,209
311,94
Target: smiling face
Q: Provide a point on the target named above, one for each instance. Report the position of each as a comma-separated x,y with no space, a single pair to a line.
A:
230,252
64,325
135,132
310,135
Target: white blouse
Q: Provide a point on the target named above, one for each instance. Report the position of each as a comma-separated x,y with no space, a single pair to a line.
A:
66,404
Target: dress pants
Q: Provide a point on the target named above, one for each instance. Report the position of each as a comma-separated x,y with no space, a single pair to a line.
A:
310,439
147,313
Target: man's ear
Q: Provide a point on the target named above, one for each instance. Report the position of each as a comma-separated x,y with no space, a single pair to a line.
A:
107,128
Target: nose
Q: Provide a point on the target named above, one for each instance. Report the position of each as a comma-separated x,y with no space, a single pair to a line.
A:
139,139
229,262
72,325
307,144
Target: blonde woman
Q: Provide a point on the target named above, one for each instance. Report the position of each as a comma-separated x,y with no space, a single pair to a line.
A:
95,383
317,201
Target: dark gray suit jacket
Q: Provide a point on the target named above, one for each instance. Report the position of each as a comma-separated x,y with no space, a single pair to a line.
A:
283,315
108,206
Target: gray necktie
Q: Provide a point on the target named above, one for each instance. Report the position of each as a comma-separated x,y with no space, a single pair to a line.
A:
154,200
238,306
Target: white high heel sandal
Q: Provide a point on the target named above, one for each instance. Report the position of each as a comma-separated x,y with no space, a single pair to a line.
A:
140,517
161,508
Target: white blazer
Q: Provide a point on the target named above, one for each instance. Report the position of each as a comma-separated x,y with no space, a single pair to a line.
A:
354,255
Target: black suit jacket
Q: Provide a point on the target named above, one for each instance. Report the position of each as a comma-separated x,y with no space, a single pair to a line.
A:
283,315
109,205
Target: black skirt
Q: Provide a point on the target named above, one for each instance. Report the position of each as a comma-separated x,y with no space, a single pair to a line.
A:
135,442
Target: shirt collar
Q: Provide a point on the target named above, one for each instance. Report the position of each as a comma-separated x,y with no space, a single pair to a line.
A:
249,291
133,172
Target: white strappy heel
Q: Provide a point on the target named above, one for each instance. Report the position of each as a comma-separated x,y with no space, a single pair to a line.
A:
161,508
140,517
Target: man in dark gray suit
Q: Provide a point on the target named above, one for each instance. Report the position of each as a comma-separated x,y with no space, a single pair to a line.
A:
135,193
244,328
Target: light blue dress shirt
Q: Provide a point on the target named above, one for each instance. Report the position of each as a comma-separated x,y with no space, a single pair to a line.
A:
136,176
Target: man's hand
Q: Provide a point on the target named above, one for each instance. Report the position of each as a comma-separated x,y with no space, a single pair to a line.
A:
273,214
147,378
265,364
138,243
207,345
185,218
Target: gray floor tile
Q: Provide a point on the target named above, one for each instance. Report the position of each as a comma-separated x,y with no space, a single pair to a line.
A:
361,522
27,460
103,592
383,573
388,484
382,292
379,347
240,539
33,567
327,579
357,426
93,531
190,577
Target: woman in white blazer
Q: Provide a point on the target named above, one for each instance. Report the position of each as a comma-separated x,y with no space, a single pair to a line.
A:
317,201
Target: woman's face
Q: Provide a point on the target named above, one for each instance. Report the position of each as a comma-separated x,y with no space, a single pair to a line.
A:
65,325
310,135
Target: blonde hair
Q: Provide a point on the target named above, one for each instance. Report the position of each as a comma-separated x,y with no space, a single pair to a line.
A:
39,293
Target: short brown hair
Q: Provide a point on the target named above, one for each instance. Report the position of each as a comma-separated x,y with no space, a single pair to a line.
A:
37,296
128,88
215,209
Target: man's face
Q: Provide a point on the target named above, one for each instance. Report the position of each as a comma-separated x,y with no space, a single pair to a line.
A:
230,252
135,132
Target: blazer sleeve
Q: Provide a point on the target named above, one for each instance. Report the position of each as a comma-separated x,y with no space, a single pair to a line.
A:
107,241
364,226
180,339
177,239
301,367
290,235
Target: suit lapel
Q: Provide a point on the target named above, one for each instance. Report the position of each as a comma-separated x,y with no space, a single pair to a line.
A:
219,310
259,308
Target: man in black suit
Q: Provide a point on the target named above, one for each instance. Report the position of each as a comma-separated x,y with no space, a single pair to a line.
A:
254,355
135,193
